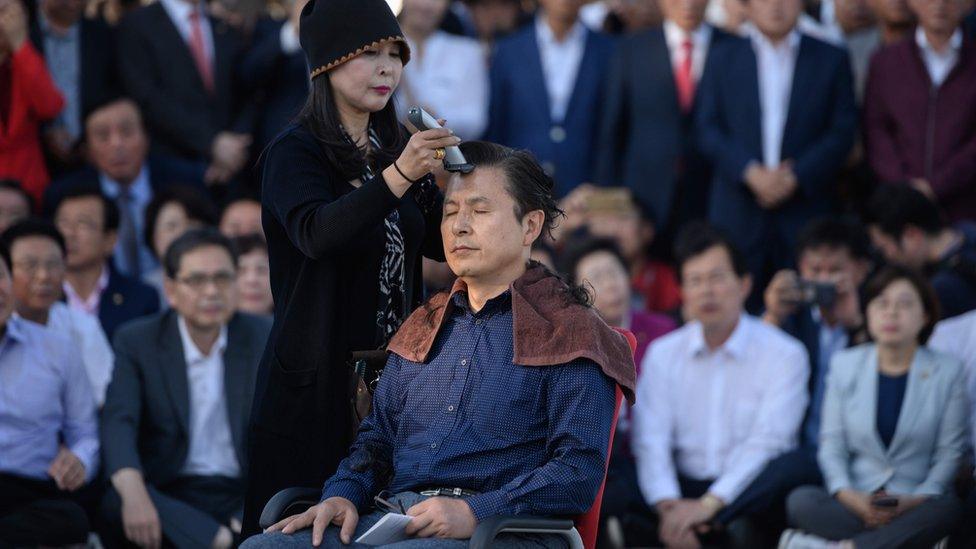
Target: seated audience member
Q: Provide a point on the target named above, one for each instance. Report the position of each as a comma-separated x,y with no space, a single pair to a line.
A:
447,75
37,253
920,109
956,337
908,229
718,398
89,222
893,431
241,216
117,148
29,98
175,420
15,203
169,214
253,276
777,118
48,431
834,254
507,450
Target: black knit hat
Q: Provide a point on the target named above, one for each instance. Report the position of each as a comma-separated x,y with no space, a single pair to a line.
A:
334,31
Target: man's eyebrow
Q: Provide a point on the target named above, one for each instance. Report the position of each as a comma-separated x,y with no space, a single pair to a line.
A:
477,199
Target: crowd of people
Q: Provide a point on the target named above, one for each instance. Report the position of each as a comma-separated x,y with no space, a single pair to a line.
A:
776,197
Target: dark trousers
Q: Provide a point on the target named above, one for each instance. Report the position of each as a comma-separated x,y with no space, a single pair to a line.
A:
35,512
191,510
764,500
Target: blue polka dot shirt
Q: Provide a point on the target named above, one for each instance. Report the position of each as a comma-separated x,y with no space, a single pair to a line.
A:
530,440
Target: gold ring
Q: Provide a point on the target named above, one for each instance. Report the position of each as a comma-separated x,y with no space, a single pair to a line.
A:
439,154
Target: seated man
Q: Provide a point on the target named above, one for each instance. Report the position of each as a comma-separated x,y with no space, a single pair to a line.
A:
48,431
909,229
176,414
497,398
719,397
93,285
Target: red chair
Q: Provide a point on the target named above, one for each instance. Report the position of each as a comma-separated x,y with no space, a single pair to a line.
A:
580,531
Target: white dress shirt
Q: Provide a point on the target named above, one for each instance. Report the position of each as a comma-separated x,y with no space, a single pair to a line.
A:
179,13
939,65
775,63
450,76
560,64
89,341
956,337
211,450
718,414
700,38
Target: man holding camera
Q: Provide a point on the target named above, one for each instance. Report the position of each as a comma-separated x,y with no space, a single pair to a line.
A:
820,306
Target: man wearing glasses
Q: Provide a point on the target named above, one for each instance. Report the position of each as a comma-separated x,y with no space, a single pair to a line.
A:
176,411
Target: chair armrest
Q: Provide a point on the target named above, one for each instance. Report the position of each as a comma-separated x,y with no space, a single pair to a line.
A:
488,529
286,502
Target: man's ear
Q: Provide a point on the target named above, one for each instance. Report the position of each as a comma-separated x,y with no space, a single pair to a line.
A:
532,224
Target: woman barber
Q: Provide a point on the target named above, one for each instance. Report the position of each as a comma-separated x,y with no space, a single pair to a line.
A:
349,208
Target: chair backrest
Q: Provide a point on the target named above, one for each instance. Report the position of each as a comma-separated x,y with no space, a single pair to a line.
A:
588,524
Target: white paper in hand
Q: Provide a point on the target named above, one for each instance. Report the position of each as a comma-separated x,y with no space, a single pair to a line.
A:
390,529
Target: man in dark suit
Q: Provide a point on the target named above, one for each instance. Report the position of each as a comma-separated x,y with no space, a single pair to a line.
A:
546,83
646,140
117,146
777,117
175,418
89,222
180,66
80,55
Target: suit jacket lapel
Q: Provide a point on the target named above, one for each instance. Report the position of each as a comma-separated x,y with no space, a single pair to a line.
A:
867,395
535,79
803,77
585,75
659,63
750,79
236,361
921,371
222,62
168,34
173,365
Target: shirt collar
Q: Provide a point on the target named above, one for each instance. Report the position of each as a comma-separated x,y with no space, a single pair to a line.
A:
15,329
675,35
192,352
90,304
49,32
736,345
180,10
790,43
546,37
139,188
955,43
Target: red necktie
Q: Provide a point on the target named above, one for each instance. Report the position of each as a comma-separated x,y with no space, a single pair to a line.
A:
683,79
199,51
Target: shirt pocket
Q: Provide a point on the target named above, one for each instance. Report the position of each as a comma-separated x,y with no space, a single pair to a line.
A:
509,407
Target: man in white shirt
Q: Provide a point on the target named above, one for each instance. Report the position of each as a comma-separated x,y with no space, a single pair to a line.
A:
175,417
718,398
447,75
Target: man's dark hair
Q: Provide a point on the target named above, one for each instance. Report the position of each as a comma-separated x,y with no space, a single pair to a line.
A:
248,243
578,250
697,238
893,208
836,234
528,184
193,240
196,205
106,99
15,186
110,211
5,256
893,273
32,226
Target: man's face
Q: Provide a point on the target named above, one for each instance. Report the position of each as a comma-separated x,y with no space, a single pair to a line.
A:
909,250
713,293
424,15
687,14
65,12
13,208
826,264
893,13
853,15
82,222
117,143
562,10
38,273
204,291
631,233
774,18
482,236
6,295
939,16
242,218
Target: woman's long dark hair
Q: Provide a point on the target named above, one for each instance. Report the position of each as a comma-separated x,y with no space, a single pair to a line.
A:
320,115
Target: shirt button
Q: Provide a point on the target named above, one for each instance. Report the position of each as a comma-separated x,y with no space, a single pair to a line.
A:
557,134
464,362
433,445
450,408
479,322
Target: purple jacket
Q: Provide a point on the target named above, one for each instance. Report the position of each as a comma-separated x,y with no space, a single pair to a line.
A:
913,129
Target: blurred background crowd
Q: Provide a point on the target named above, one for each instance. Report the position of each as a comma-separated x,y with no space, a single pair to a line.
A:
827,148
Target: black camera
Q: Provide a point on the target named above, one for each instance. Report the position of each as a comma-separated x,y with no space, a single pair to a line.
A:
822,294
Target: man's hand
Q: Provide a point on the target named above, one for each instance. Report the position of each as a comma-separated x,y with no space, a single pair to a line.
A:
782,297
771,187
447,518
229,152
859,503
338,511
67,470
847,309
675,529
923,186
139,517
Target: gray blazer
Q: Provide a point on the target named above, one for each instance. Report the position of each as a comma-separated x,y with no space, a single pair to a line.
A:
930,436
145,422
